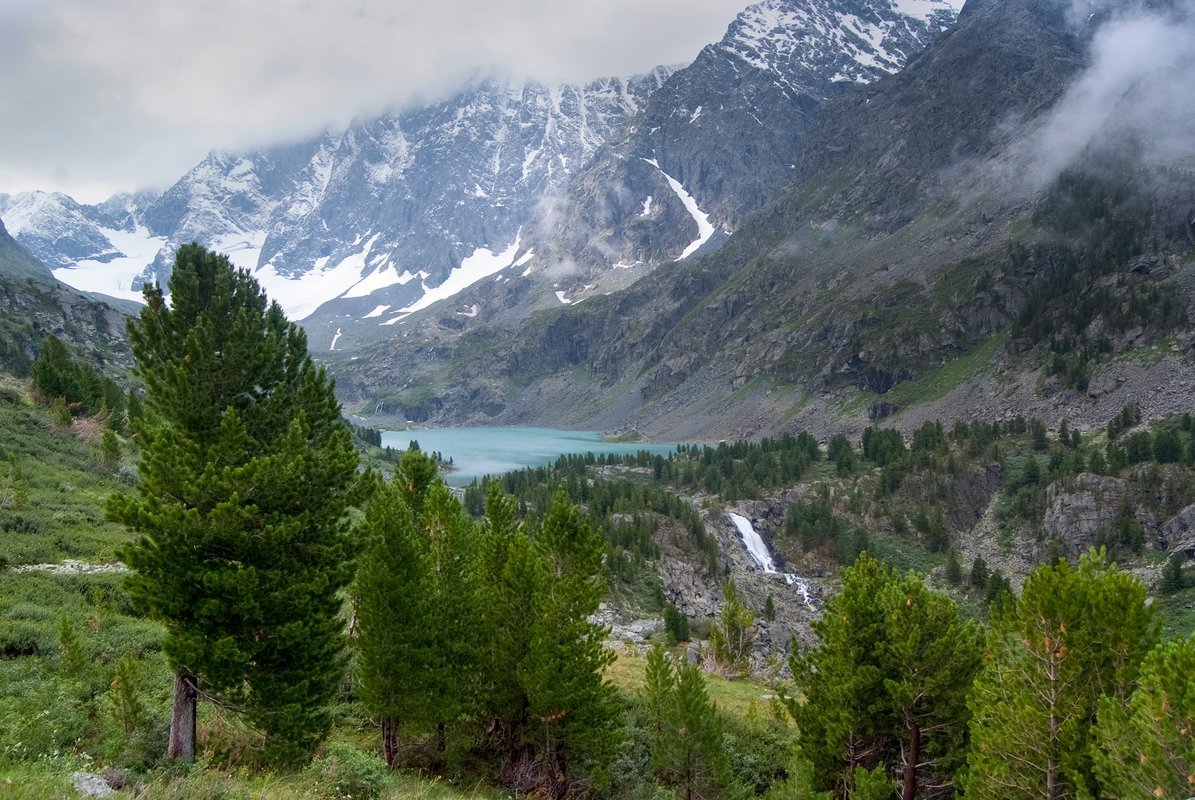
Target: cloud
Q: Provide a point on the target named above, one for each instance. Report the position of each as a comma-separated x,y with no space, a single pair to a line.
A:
135,91
1139,88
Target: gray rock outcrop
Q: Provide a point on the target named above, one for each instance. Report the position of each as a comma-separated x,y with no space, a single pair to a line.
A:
1076,512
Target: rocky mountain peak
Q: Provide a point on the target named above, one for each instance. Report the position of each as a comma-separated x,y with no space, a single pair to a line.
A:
848,40
724,134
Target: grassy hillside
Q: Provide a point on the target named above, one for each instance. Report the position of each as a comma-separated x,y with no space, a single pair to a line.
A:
84,685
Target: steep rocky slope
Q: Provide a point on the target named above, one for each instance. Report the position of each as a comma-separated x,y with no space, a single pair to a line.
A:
15,261
33,305
722,135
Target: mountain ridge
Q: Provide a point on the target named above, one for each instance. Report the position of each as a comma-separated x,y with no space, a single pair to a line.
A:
830,309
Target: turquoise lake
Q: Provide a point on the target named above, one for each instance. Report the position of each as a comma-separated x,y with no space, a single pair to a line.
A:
476,452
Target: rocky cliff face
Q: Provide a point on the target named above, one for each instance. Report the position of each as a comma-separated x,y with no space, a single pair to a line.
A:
33,305
722,135
15,261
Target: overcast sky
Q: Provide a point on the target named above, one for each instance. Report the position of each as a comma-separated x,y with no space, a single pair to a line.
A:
99,96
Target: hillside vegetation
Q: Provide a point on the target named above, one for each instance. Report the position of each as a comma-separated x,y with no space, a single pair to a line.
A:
87,684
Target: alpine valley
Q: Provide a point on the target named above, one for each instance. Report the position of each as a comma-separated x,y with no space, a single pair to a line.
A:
923,269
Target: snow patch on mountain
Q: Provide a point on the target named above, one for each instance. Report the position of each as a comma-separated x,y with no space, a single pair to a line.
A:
301,296
704,229
788,37
483,263
523,259
926,10
242,249
382,277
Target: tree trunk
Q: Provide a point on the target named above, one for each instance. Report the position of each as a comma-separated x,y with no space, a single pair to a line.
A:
182,718
390,742
909,789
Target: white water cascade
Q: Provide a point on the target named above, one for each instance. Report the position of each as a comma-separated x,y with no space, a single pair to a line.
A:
759,553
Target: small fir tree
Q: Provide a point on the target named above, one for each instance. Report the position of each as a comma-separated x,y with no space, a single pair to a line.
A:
676,624
733,633
1173,579
110,449
60,414
998,587
127,704
685,728
979,573
14,489
954,568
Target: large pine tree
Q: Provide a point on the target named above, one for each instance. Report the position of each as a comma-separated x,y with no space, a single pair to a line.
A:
887,688
1072,636
1147,748
246,472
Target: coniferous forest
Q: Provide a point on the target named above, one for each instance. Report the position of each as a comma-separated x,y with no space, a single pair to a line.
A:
304,614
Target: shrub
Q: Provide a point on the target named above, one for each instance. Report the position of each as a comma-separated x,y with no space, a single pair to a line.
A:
344,772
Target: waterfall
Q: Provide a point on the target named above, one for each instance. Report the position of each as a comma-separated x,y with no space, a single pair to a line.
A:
759,553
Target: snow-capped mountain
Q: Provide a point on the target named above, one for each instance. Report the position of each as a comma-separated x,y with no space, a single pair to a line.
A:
54,228
359,228
398,209
723,134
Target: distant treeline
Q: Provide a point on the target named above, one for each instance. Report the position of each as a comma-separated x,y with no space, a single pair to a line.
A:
84,391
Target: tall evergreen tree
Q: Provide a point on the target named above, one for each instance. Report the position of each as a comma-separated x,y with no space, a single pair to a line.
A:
887,688
568,697
1072,636
929,657
845,720
686,730
1147,748
417,599
390,602
454,618
552,712
246,472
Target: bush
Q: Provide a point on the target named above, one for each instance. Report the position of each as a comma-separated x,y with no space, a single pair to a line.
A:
344,772
40,716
